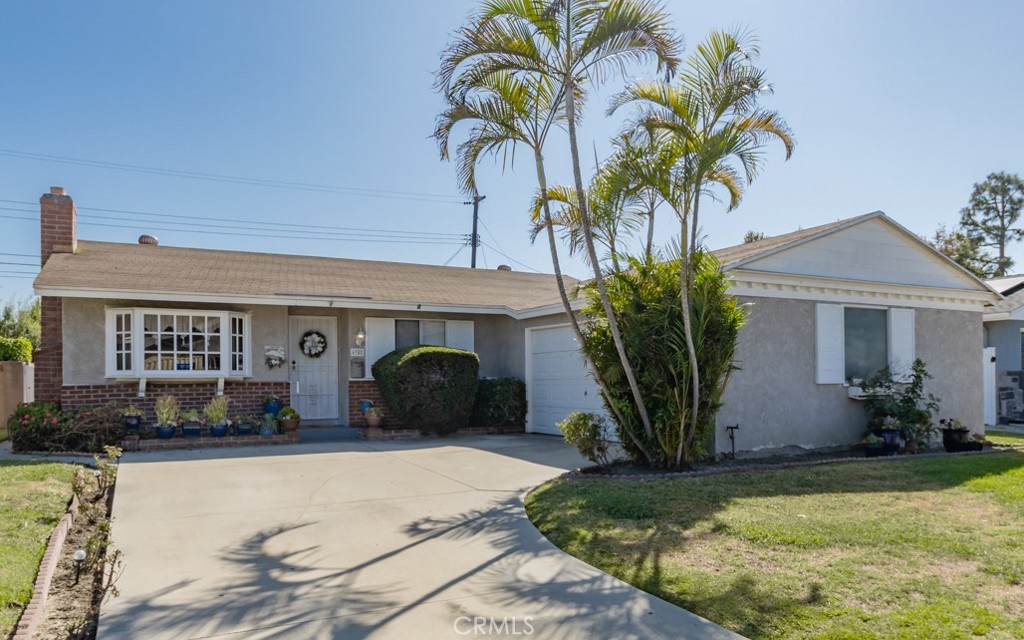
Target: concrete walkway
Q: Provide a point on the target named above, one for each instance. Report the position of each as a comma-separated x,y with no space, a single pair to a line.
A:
359,540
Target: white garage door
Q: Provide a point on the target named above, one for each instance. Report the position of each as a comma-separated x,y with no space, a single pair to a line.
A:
558,379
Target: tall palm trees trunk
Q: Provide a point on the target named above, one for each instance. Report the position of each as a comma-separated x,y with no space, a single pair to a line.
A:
588,237
553,246
687,289
649,250
684,300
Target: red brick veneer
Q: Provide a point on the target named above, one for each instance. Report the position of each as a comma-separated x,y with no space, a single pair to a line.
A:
57,234
359,390
246,397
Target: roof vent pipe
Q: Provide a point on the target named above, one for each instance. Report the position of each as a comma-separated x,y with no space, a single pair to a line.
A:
504,267
148,239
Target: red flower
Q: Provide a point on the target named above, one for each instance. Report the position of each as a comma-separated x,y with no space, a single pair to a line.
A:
54,421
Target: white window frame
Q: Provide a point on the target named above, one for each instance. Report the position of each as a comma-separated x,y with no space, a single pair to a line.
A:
829,371
138,369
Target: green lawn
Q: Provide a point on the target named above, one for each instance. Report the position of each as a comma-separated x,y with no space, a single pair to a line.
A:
1004,437
908,548
33,497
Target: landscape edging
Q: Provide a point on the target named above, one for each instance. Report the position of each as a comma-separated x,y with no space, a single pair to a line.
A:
33,613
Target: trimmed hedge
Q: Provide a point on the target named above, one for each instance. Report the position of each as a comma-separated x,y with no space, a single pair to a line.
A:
431,388
500,402
15,350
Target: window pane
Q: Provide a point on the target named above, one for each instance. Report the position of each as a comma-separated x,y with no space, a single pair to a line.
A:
433,332
867,344
149,322
407,333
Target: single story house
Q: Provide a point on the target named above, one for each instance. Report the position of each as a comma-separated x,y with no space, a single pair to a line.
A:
128,322
1004,335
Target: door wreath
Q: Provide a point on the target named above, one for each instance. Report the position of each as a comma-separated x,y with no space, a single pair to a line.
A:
313,344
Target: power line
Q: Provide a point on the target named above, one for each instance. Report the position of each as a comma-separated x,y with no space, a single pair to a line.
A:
521,264
218,177
457,252
247,224
384,240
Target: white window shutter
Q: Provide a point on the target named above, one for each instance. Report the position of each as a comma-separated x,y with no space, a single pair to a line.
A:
460,334
901,343
830,344
380,341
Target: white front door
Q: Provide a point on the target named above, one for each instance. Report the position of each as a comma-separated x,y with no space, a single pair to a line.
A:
314,380
558,382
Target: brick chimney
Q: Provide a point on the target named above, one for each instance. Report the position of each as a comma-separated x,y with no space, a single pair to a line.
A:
57,234
57,224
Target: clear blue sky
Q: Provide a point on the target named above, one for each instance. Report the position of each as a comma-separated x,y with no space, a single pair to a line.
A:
896,106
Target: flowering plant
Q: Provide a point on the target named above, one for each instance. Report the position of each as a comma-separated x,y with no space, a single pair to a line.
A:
33,425
274,356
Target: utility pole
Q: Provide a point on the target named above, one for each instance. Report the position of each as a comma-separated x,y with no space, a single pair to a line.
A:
475,239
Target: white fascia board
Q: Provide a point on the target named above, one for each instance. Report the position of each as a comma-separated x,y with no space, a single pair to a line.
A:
997,317
279,301
774,285
547,310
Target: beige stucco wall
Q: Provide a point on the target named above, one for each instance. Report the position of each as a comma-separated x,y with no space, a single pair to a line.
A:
498,339
494,337
777,403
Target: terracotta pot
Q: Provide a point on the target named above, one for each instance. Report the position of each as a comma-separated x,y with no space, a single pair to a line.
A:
289,425
374,421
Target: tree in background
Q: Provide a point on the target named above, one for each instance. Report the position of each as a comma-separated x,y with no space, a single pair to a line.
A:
990,218
964,250
21,318
754,236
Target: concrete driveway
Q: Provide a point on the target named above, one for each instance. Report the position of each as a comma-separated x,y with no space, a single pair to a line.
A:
352,540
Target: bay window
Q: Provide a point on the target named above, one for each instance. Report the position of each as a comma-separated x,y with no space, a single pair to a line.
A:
169,343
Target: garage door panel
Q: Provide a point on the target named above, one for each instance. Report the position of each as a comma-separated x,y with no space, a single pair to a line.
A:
559,380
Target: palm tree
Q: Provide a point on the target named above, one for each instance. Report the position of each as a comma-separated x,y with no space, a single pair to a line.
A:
504,110
572,43
615,212
713,119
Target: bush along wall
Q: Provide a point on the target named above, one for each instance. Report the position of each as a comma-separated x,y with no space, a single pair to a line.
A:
15,350
39,426
500,402
431,388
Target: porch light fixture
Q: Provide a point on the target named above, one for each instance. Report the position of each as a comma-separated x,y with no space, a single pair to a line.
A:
361,338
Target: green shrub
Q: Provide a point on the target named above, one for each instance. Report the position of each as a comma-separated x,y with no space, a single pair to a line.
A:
500,402
586,431
33,426
432,388
38,426
646,302
15,350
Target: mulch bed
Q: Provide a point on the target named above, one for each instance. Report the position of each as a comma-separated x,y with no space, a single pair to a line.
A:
627,471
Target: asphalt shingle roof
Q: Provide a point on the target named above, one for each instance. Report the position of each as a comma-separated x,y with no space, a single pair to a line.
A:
148,268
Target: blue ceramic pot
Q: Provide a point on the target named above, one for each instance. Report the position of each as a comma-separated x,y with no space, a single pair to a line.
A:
219,430
192,429
243,429
165,432
132,424
273,407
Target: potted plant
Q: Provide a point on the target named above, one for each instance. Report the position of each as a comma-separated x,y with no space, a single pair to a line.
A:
874,446
132,419
272,404
216,412
268,425
244,425
374,417
191,425
890,431
166,410
289,419
956,437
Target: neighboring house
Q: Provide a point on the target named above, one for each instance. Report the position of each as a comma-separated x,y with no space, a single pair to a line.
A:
827,304
1004,333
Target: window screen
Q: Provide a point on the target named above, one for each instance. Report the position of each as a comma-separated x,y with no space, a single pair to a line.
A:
866,342
407,333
